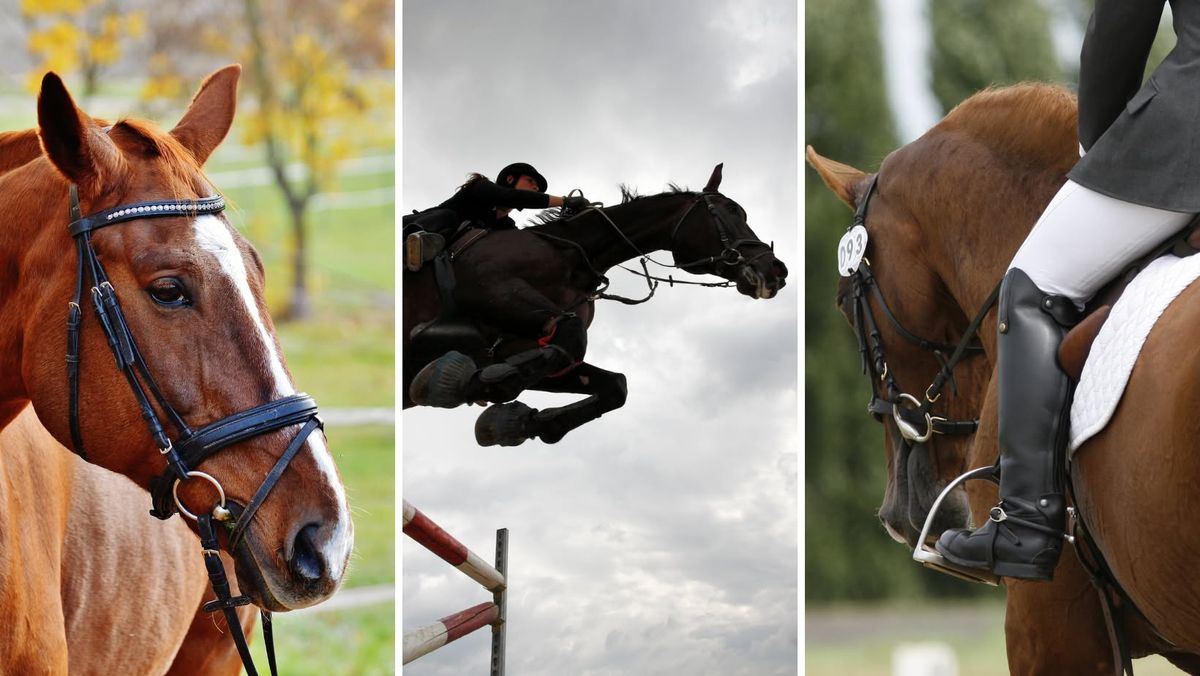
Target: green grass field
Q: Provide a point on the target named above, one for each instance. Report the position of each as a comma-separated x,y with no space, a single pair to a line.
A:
860,640
366,458
358,642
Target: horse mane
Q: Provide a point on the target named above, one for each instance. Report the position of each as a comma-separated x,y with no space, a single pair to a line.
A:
1026,123
628,195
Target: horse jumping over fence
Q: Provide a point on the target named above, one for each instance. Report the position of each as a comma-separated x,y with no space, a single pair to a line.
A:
155,260
948,213
533,293
428,638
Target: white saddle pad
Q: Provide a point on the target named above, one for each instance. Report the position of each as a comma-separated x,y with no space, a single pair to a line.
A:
1120,340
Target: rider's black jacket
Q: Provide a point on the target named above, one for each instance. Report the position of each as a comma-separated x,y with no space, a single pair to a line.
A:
1142,139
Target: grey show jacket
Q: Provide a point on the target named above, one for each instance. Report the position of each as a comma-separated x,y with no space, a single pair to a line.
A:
1143,143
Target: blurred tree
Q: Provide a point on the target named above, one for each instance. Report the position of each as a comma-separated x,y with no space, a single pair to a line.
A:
319,80
848,556
847,553
78,36
979,43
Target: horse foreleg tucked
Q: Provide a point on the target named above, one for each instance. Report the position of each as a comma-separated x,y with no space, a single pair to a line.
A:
514,423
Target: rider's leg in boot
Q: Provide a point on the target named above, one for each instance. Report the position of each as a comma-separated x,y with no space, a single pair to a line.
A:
1024,534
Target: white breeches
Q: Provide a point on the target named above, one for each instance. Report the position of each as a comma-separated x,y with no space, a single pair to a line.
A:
1084,239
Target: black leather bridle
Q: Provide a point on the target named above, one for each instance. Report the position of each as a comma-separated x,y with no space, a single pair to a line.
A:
731,255
913,416
190,447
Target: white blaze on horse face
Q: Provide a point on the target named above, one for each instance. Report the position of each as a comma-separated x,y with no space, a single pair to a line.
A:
213,236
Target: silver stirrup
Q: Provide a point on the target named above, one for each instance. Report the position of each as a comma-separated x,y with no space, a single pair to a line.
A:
930,558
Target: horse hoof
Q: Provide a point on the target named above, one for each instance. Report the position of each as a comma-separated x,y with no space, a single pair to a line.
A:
443,382
504,424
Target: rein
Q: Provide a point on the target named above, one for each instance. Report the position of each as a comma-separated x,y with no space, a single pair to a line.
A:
191,447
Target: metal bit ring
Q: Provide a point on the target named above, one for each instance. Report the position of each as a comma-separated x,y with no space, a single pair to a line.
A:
220,513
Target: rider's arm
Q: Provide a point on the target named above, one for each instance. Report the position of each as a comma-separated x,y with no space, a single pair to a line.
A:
498,196
1115,49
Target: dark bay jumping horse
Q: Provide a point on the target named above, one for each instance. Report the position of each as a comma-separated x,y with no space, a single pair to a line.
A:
946,214
533,292
173,376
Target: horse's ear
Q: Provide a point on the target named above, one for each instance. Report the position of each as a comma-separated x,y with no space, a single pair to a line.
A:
841,178
210,114
714,181
75,145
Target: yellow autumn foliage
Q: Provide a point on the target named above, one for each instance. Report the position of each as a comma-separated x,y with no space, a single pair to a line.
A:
69,36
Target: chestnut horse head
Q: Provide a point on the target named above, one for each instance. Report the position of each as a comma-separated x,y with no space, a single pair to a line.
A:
190,291
946,214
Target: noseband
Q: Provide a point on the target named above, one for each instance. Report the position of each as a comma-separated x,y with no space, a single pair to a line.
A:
191,447
913,416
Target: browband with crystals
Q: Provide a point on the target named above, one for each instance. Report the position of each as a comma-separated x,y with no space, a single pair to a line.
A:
128,212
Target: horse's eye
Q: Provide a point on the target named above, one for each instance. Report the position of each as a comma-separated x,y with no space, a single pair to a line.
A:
169,292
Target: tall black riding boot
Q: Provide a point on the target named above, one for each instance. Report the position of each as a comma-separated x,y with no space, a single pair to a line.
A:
1024,533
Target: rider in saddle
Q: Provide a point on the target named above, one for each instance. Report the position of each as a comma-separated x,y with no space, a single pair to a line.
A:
1135,186
482,204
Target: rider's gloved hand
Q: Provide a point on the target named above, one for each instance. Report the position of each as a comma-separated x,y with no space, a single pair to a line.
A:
575,203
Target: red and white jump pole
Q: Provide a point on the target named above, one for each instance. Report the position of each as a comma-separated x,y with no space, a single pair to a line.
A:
493,578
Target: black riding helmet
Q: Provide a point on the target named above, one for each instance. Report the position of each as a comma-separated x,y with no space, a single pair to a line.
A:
518,169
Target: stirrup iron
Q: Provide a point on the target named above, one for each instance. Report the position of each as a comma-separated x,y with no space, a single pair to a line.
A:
930,558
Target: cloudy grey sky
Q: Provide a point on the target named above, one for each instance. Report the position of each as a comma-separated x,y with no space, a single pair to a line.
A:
660,539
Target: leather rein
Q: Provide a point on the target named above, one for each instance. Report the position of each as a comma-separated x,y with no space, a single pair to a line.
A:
190,447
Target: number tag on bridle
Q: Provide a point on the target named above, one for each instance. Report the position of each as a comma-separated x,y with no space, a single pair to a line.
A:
851,249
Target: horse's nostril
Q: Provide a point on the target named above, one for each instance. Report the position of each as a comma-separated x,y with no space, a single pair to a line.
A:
307,562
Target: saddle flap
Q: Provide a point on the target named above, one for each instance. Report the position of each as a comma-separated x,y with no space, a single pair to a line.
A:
447,333
1075,347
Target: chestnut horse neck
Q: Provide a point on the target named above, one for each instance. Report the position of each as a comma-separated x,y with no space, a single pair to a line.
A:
975,184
